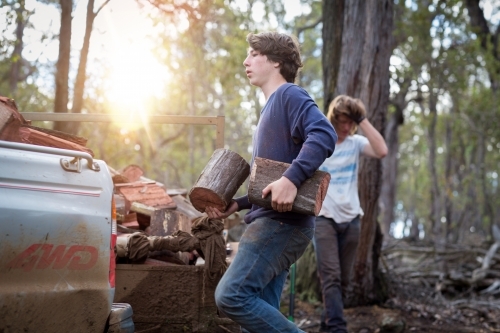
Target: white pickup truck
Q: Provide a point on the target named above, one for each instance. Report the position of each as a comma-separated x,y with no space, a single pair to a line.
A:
57,243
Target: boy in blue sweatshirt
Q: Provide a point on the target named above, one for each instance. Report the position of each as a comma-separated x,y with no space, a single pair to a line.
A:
293,130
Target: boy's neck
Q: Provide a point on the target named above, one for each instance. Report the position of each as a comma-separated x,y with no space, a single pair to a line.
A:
272,85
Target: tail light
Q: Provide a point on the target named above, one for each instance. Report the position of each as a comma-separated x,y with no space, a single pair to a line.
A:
112,244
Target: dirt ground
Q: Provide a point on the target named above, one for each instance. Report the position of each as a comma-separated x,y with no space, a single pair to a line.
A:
416,305
414,309
410,317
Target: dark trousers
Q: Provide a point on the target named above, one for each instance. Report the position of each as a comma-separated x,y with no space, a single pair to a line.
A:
335,245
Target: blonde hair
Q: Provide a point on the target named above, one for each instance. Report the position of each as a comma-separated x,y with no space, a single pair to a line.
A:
347,106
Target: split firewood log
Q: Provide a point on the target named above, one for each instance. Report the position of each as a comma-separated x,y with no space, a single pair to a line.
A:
309,197
160,221
10,120
32,136
132,172
219,181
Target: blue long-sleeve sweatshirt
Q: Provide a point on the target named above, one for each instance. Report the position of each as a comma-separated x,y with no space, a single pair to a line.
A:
293,130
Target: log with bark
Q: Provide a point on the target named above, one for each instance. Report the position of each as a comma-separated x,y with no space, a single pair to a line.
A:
33,136
309,197
219,180
13,127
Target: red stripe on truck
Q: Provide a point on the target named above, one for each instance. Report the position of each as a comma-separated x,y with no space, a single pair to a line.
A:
48,189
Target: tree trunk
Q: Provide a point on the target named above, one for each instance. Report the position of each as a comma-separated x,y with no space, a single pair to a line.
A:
81,75
333,22
363,72
435,195
489,42
62,67
390,171
16,57
448,203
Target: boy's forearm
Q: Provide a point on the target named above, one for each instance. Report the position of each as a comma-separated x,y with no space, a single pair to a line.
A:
376,140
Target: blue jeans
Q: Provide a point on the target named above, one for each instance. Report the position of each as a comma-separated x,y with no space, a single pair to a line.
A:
249,292
335,245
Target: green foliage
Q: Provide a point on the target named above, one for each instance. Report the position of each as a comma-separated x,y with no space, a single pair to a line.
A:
444,68
439,66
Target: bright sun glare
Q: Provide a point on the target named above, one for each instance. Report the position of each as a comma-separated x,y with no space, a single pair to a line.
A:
136,77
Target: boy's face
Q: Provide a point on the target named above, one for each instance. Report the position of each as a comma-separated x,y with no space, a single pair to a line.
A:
258,68
343,126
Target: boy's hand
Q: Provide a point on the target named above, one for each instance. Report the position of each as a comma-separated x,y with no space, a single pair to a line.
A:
357,117
214,213
283,193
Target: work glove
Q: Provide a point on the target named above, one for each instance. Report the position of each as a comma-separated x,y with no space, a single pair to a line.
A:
357,115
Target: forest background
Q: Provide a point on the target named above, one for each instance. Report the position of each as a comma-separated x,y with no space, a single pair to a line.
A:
439,183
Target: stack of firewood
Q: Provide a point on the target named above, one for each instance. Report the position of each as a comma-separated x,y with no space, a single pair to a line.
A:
145,204
142,204
13,127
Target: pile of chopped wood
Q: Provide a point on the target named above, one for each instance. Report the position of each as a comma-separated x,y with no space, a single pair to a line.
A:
147,206
142,204
13,127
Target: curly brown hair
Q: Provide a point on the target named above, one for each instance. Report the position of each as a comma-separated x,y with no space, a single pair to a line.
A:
280,48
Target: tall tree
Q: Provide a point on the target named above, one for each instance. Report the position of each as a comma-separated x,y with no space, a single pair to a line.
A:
81,74
489,38
61,97
361,41
17,58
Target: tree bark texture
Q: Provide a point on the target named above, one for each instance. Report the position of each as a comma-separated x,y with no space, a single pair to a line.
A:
62,67
332,39
390,172
81,74
219,181
16,57
435,195
366,47
309,197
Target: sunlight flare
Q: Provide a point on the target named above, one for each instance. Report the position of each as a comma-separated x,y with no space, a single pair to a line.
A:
136,80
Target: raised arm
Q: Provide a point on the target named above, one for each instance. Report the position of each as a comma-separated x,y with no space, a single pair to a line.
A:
376,147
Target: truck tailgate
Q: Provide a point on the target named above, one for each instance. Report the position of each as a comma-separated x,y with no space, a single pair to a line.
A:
54,243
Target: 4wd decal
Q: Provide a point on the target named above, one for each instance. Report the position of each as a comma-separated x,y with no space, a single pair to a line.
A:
41,256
